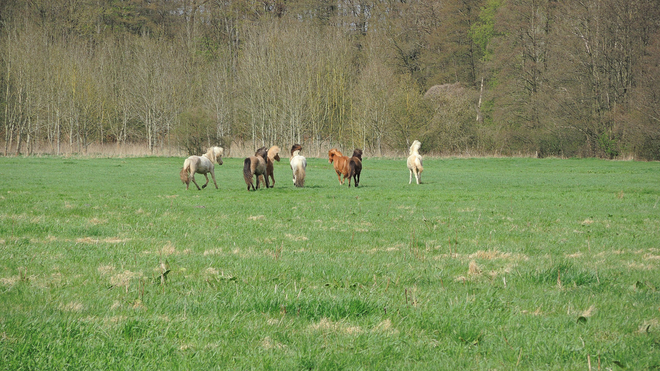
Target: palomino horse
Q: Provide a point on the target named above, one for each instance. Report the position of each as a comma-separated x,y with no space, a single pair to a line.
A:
355,167
415,162
273,155
340,162
298,164
255,165
202,165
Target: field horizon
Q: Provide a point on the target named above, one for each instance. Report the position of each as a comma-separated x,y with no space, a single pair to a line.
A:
490,263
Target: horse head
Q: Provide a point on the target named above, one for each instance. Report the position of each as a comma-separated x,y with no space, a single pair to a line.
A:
218,152
214,154
332,154
274,153
414,148
263,152
295,147
357,153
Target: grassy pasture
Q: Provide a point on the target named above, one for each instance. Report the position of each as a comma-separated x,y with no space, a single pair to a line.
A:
490,264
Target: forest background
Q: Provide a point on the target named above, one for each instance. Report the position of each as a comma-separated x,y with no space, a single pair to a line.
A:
567,78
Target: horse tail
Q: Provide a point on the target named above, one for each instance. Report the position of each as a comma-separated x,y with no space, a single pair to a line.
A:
247,171
184,174
418,164
300,175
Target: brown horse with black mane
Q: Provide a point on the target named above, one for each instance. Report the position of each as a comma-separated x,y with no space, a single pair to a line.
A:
355,167
255,165
340,163
273,155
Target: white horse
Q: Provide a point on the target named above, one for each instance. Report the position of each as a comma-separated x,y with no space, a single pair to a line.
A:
201,165
298,164
415,162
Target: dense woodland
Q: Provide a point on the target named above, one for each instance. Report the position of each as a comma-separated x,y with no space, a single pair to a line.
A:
477,77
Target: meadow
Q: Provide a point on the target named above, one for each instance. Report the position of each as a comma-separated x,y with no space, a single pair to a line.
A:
490,264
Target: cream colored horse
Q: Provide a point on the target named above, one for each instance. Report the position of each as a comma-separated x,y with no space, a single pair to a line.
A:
201,165
415,162
298,165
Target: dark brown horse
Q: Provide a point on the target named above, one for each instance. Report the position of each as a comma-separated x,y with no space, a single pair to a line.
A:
355,167
340,163
255,165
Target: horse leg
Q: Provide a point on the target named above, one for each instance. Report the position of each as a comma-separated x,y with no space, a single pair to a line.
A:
194,181
207,180
411,173
418,176
213,176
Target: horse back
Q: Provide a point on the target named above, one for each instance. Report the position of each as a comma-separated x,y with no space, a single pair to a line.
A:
355,165
204,165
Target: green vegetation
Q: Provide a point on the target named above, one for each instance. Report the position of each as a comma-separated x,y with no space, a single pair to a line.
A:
553,78
507,263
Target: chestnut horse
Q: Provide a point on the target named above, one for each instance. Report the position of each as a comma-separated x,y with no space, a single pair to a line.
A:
201,165
298,164
340,163
355,167
415,162
273,155
255,165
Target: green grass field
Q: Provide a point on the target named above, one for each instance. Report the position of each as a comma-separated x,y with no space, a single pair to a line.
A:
497,263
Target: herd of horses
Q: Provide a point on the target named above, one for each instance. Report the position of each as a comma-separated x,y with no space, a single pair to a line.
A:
261,166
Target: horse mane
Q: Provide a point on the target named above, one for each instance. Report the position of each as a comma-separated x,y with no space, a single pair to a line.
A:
295,147
357,153
263,152
213,153
334,152
414,148
273,152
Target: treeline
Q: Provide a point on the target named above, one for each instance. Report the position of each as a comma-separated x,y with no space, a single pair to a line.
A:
548,77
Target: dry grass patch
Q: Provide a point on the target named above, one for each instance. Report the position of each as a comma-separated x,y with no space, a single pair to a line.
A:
10,281
327,325
72,307
106,269
296,238
97,221
216,251
268,344
124,279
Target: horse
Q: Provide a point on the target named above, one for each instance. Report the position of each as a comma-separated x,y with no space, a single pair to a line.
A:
255,165
340,163
298,164
355,167
201,165
273,154
415,162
